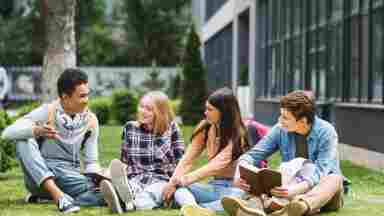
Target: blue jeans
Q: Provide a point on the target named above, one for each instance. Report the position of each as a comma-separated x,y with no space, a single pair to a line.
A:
66,175
210,195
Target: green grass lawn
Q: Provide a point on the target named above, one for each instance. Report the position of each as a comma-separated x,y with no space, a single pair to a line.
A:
366,197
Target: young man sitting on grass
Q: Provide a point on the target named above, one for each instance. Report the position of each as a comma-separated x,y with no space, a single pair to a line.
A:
299,133
48,144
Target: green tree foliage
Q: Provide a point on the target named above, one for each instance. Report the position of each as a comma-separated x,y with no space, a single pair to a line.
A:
194,84
93,34
124,105
6,8
16,36
155,30
174,88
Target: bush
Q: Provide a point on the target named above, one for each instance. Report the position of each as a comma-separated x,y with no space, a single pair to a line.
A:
102,108
4,120
124,105
7,147
7,155
175,105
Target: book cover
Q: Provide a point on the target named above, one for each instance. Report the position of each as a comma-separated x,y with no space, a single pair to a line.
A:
260,180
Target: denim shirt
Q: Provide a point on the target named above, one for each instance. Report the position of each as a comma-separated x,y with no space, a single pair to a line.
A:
322,148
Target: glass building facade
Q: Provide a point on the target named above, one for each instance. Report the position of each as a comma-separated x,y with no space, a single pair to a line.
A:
332,47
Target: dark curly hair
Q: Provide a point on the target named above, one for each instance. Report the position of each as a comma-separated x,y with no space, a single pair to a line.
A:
69,79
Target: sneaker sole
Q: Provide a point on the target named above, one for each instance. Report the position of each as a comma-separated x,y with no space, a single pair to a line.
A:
232,204
30,199
72,210
189,210
111,197
120,182
295,209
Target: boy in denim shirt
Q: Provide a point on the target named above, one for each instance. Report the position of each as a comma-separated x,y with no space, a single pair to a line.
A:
299,133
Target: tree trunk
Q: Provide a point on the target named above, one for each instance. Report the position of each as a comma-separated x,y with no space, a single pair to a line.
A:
61,45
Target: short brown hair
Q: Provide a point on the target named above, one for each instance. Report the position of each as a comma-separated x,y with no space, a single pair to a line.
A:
300,104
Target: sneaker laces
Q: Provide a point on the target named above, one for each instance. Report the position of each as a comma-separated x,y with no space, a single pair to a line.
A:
64,201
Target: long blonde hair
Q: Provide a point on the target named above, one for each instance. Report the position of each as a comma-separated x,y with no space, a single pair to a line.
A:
163,113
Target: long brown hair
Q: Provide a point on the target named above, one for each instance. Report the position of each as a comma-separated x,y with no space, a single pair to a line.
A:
231,127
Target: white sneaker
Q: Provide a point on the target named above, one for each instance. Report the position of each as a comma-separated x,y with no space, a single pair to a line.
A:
121,183
111,197
66,205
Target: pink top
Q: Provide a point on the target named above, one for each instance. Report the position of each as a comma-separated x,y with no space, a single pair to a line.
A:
220,165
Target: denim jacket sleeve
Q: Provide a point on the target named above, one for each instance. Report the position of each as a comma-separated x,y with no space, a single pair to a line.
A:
263,149
327,160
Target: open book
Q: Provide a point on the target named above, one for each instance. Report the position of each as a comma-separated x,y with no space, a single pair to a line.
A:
260,180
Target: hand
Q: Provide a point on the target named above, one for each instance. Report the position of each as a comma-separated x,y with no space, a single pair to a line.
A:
168,192
281,191
175,181
46,131
184,181
242,184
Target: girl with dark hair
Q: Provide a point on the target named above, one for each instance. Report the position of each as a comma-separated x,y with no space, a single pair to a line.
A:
224,137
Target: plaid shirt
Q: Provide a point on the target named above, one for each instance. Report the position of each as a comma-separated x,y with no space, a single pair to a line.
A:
151,157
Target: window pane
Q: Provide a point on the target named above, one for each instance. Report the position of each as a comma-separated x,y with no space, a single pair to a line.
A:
365,4
288,62
283,21
377,3
313,11
354,6
322,10
288,15
297,14
312,41
263,21
269,18
355,59
276,86
297,64
337,7
335,60
322,76
377,54
272,72
312,69
269,71
275,18
364,58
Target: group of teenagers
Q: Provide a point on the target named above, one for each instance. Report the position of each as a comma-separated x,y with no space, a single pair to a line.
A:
156,170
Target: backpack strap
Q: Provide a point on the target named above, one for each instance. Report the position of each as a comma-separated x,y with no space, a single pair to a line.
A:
92,123
50,119
51,112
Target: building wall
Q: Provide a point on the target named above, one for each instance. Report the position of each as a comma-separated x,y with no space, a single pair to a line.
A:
334,48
